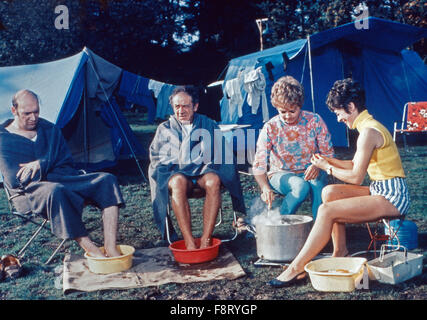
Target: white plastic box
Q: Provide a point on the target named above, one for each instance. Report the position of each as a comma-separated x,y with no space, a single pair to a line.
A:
395,267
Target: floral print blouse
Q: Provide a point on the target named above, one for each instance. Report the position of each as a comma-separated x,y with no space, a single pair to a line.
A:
283,147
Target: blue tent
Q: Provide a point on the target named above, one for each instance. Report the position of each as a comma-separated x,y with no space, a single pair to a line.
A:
76,93
376,56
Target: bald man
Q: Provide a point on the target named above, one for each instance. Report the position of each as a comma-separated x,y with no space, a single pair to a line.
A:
38,170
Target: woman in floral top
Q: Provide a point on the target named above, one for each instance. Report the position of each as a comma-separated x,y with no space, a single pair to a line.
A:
285,146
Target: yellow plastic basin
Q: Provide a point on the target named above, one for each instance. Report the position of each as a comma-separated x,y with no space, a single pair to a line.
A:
335,274
111,264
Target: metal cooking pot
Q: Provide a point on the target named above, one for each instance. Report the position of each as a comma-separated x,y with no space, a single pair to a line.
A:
284,240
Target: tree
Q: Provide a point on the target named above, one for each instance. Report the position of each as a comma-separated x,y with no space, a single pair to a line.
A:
175,41
106,24
291,20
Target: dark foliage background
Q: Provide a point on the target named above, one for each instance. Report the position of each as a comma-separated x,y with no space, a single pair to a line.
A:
146,36
139,36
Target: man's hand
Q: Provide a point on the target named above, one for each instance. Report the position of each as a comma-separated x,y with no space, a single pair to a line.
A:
28,171
311,173
267,195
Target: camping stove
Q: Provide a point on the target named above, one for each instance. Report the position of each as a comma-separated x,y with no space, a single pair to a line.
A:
267,263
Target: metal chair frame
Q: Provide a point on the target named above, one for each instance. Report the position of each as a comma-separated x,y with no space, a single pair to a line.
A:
30,217
376,236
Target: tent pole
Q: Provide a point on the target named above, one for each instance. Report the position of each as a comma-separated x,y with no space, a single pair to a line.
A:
222,72
259,24
406,78
347,133
311,73
117,120
85,144
303,66
127,141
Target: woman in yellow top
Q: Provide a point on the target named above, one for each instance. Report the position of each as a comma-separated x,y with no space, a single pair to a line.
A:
377,155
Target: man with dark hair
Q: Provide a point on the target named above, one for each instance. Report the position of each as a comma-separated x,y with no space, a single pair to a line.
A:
182,158
38,170
376,154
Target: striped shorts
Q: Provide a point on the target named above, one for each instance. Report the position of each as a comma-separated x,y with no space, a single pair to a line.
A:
394,190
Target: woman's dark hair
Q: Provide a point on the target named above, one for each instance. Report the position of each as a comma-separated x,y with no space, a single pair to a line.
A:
192,91
343,92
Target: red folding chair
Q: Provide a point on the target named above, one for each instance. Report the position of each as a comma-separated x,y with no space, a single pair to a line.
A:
414,119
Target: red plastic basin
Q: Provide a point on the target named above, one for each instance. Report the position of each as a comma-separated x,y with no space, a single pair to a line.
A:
182,255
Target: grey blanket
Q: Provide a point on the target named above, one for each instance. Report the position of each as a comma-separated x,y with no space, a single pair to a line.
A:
58,191
195,154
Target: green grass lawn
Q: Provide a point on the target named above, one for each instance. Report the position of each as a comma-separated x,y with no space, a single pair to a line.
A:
137,229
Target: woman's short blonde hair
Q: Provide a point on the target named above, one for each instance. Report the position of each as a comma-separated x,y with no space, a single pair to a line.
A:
287,91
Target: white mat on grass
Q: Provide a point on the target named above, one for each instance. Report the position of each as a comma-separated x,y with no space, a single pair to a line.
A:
151,267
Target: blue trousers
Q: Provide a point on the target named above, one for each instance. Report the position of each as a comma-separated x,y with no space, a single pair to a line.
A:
296,189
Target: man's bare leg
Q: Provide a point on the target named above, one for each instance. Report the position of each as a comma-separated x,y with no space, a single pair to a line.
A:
211,183
178,186
89,247
110,218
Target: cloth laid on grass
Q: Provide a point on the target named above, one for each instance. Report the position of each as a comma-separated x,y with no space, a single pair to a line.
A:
151,267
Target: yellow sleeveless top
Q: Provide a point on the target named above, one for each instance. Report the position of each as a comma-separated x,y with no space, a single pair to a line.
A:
385,162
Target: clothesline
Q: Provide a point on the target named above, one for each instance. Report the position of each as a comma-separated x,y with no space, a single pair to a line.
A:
154,95
249,87
144,91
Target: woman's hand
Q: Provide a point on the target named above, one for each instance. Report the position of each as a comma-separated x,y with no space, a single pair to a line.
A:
311,173
320,162
267,195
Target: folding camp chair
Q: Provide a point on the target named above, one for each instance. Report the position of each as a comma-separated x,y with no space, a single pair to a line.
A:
33,218
377,235
198,193
414,119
